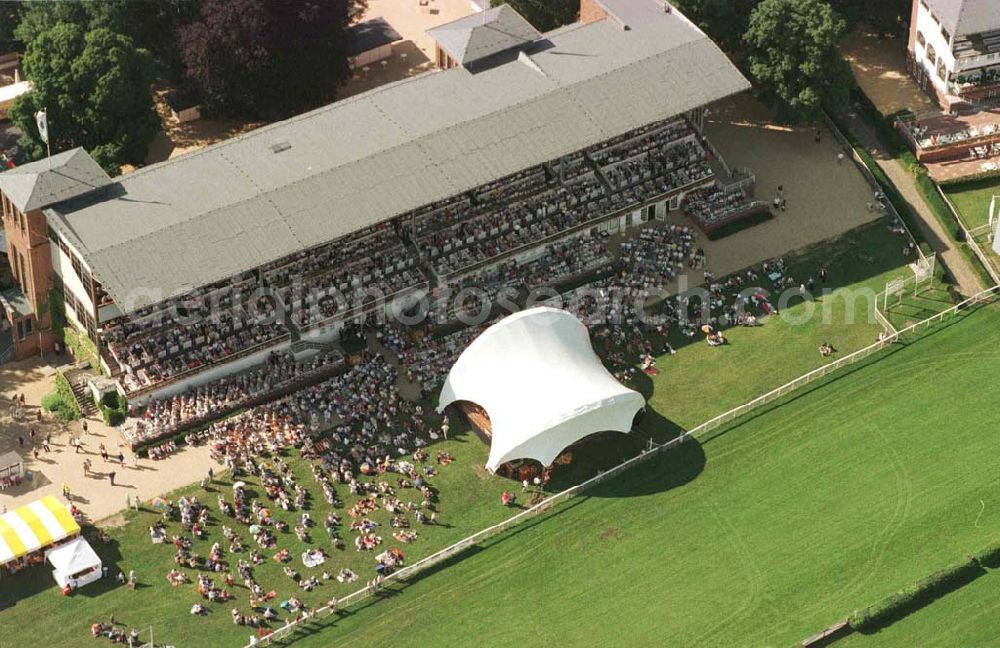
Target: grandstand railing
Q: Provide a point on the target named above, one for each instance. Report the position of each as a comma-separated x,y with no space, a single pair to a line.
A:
988,295
870,177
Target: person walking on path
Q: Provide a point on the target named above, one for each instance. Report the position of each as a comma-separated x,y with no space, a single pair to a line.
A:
86,467
121,457
65,489
111,476
84,426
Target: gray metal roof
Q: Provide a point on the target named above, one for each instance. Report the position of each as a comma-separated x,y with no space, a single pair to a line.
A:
964,17
484,34
236,205
63,176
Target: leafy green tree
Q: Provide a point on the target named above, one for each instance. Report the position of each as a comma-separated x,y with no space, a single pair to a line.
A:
724,21
94,85
10,16
544,15
792,48
269,59
885,17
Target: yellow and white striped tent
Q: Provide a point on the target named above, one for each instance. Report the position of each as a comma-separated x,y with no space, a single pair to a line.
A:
33,527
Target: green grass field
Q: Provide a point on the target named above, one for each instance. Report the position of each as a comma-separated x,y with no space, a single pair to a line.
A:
696,384
769,530
972,200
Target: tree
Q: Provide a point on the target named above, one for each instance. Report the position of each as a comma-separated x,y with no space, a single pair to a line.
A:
94,85
885,17
269,59
10,17
544,15
792,47
724,21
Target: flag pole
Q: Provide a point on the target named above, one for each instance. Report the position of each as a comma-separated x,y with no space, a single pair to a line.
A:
48,147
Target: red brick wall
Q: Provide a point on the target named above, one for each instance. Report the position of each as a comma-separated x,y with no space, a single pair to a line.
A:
31,266
912,41
590,11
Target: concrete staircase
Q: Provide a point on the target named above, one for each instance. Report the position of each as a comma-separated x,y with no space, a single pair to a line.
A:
301,346
78,381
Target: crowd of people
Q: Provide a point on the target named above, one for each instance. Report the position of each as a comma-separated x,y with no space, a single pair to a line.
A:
161,417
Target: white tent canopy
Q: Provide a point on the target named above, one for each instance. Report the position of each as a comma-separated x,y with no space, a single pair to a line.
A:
543,387
75,560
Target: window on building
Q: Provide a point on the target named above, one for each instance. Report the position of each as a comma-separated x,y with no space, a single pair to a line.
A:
27,326
921,39
20,330
947,36
942,72
931,55
923,3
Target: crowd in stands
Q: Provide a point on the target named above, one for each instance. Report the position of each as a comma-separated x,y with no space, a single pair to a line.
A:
165,416
508,233
713,206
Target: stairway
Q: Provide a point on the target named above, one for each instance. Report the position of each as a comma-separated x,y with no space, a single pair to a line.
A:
301,346
78,381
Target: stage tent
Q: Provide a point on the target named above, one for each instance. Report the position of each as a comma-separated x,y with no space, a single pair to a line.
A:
543,387
76,562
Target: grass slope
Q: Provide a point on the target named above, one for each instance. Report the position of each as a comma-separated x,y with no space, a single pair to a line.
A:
768,531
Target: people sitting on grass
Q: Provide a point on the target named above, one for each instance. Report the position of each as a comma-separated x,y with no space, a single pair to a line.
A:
826,350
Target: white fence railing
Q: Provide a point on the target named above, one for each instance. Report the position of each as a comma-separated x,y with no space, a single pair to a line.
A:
870,177
988,262
553,500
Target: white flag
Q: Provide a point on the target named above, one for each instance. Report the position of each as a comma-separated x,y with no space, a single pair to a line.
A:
42,120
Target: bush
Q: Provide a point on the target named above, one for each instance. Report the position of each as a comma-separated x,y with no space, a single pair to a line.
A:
56,404
913,597
65,392
114,408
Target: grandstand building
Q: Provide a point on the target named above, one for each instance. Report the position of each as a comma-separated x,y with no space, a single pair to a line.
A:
954,50
409,189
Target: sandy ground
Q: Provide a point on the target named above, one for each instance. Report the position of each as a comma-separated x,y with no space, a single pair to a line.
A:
825,198
176,139
879,65
94,494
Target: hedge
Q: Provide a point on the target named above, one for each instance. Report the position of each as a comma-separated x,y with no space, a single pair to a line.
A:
988,556
915,596
114,408
62,402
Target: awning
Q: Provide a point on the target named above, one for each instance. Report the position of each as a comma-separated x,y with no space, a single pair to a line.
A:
73,557
33,527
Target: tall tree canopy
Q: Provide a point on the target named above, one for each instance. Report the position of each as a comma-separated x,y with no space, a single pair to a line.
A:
269,59
724,21
544,15
792,47
94,84
885,17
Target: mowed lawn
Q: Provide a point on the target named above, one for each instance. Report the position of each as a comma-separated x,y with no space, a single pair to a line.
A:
768,531
701,382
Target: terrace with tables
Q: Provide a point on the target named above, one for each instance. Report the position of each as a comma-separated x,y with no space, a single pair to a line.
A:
958,145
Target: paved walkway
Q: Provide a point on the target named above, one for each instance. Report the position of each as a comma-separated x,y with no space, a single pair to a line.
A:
966,279
92,492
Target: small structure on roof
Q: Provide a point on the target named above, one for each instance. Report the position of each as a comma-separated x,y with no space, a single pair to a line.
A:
481,35
75,563
538,379
371,42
